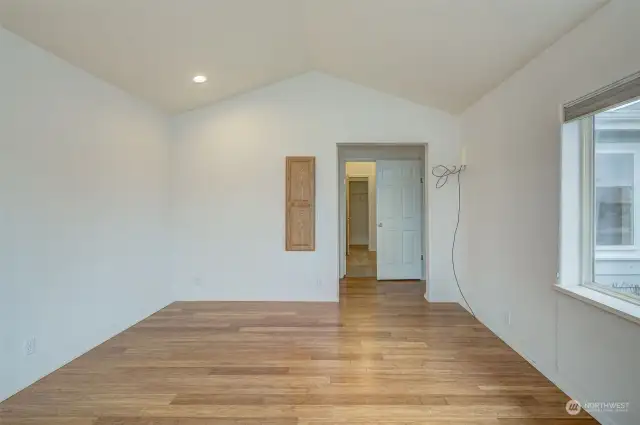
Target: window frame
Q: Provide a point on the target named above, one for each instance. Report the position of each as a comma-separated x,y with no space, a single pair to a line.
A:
577,156
589,253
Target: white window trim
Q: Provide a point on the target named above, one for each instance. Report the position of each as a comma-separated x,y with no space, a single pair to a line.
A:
587,190
580,285
614,305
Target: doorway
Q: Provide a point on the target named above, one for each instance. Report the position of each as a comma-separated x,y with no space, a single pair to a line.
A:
391,182
360,224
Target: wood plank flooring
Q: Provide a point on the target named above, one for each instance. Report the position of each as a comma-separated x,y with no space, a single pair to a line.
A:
381,356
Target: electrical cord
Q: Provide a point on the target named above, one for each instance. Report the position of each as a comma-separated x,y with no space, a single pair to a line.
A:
443,172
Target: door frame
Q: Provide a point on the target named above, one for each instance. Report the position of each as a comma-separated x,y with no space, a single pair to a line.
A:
372,152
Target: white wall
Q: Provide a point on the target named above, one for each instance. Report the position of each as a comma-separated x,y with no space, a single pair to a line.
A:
368,170
83,178
228,180
511,215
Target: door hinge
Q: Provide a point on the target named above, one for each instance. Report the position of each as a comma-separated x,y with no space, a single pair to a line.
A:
421,180
422,257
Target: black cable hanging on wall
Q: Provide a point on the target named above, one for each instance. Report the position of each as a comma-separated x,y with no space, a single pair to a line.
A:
443,172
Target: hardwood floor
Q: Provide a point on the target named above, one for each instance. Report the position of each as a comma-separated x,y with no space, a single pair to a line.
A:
382,356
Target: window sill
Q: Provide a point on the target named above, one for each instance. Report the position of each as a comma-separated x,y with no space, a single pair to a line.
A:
621,308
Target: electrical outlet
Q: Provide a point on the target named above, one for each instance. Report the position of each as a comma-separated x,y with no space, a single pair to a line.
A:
197,281
508,318
30,346
319,283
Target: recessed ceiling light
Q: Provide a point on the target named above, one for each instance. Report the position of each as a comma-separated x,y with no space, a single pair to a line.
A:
199,79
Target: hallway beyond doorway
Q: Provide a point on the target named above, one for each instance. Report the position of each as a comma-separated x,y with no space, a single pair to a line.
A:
397,219
361,262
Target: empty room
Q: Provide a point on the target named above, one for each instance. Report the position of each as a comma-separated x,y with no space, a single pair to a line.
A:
319,212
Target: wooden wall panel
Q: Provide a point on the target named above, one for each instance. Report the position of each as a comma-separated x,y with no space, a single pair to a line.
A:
300,207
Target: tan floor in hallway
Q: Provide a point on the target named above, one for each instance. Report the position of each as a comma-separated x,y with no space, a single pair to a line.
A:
383,355
361,262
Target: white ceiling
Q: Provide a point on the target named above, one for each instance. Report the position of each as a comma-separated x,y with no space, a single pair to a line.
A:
441,53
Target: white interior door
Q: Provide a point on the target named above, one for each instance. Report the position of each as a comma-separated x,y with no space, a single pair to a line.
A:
399,209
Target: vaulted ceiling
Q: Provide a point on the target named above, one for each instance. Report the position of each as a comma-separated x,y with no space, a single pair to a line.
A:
441,53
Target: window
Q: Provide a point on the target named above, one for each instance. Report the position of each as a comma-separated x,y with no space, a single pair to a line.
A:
614,188
614,220
607,206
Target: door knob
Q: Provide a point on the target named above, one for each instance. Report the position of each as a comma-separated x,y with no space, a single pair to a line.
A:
379,224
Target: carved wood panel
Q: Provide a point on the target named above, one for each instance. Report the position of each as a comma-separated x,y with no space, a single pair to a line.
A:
300,207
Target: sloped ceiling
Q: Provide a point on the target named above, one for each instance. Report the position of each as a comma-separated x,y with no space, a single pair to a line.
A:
440,53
